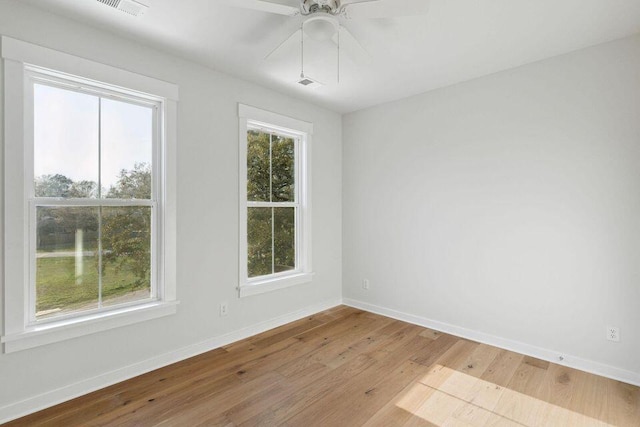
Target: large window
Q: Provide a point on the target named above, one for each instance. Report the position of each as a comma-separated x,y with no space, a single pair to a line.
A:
88,197
275,201
94,198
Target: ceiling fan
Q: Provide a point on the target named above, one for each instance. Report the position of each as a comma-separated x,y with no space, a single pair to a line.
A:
324,20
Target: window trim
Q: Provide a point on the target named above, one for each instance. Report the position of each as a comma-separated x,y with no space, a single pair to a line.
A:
20,59
252,117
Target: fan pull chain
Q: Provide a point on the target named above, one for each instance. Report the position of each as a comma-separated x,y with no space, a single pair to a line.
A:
338,61
302,51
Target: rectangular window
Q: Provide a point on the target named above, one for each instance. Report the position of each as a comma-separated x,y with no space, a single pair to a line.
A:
88,213
93,201
272,202
275,201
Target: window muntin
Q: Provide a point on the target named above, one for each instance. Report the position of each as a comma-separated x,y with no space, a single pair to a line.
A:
273,208
93,200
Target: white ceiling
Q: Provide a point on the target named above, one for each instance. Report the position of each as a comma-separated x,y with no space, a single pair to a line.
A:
458,40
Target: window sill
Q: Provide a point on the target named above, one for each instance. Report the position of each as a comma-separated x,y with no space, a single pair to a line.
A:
38,335
268,285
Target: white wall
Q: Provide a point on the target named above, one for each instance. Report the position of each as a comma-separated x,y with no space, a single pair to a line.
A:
507,205
207,215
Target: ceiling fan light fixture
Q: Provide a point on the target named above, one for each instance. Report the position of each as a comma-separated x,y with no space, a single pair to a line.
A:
320,27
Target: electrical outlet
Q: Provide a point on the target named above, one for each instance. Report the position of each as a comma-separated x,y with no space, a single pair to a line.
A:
224,308
613,333
365,284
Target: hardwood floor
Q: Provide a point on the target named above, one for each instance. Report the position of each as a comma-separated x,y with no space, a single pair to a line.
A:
346,367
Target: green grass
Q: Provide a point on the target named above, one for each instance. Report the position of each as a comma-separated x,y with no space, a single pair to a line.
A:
56,285
87,245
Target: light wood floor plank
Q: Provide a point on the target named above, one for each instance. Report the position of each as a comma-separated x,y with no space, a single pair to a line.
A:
402,409
347,367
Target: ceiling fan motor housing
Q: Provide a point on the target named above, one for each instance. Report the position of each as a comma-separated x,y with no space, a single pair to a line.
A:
327,6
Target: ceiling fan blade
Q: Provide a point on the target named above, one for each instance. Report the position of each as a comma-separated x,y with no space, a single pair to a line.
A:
386,9
269,6
352,47
293,40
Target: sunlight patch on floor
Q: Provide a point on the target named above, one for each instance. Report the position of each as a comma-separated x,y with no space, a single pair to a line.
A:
447,397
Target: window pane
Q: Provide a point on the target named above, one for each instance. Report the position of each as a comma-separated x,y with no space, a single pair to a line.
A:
65,143
66,261
126,144
258,167
284,227
259,241
282,169
126,259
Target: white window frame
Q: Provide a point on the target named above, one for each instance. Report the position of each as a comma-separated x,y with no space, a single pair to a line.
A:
255,118
25,63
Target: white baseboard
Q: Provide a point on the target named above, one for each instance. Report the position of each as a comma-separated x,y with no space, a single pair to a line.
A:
62,394
519,347
71,391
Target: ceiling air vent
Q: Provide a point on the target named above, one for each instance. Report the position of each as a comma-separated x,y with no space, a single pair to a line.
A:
306,81
130,7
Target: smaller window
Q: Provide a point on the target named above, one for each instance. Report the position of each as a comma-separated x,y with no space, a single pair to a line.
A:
274,201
